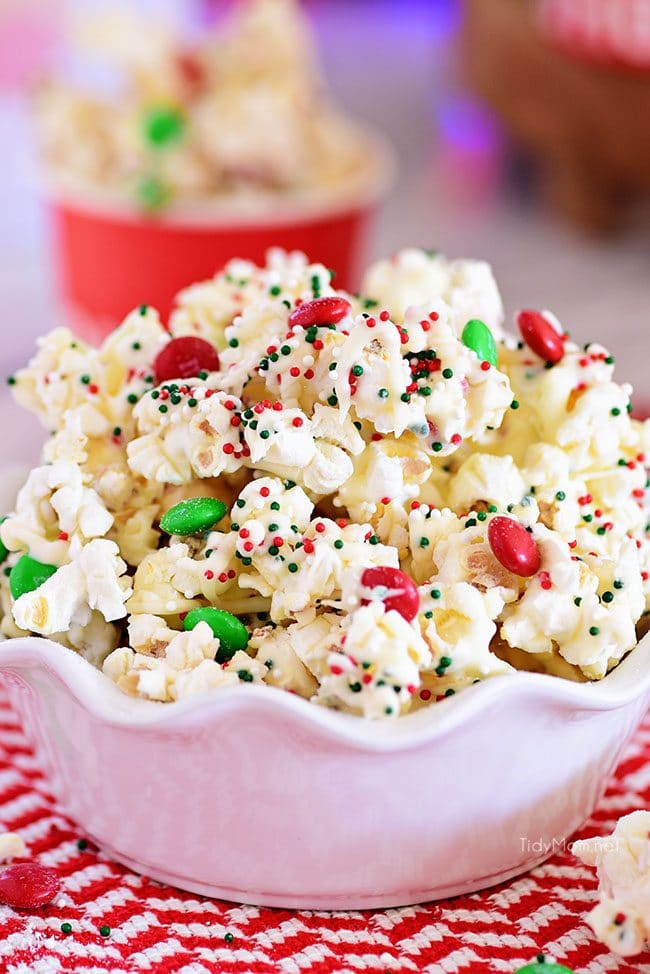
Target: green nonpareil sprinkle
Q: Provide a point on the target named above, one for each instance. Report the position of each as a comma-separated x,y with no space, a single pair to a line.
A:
245,676
275,290
292,567
234,343
514,404
618,584
447,373
192,403
143,309
264,434
11,380
607,596
436,447
332,400
105,930
132,398
85,379
435,593
593,630
357,370
615,411
470,522
338,544
424,542
560,495
481,515
492,508
229,937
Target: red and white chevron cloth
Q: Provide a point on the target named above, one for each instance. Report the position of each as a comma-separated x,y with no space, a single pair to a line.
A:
159,930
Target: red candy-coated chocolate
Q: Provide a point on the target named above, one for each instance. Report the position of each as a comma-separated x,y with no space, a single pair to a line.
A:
513,546
320,311
184,358
540,336
402,594
26,885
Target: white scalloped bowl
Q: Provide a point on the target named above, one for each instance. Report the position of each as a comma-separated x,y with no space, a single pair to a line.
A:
254,795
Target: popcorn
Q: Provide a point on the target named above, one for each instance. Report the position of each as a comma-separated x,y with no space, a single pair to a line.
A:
278,136
375,670
622,860
55,514
416,277
92,580
379,440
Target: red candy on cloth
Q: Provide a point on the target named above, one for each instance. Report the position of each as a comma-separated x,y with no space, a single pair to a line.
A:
320,311
401,591
159,930
27,885
540,336
184,358
513,546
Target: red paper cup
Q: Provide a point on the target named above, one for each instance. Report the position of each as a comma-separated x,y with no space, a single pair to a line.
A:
109,261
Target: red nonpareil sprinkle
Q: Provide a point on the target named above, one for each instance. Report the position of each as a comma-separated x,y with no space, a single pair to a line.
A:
223,577
264,491
271,349
644,576
641,457
27,885
581,387
231,573
385,500
244,533
278,407
229,404
376,437
209,393
426,325
63,535
317,344
619,919
297,421
583,362
585,499
412,689
309,373
294,371
320,311
366,678
631,464
425,694
342,523
164,394
235,420
228,448
370,322
434,315
572,544
308,546
93,389
320,527
485,366
248,546
384,316
185,357
638,492
278,541
403,337
545,580
456,438
415,505
335,670
208,573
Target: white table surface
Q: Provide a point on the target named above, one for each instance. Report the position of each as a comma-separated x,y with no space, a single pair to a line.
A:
450,195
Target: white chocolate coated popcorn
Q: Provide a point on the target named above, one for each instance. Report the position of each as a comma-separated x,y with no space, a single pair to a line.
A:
362,448
622,860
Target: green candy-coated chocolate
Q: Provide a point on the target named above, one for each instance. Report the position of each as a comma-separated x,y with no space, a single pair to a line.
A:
478,337
27,574
231,633
193,516
152,194
4,551
543,967
162,125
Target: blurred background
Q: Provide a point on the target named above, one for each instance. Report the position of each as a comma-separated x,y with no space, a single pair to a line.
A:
512,145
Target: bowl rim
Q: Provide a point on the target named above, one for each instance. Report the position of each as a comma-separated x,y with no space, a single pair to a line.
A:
98,695
360,191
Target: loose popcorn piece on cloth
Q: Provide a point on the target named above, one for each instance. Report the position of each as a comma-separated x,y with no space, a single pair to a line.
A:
11,846
406,499
622,860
